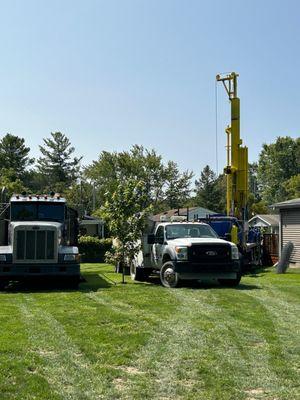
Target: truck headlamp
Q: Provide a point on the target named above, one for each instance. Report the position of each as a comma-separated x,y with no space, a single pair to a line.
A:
235,253
72,257
3,257
182,252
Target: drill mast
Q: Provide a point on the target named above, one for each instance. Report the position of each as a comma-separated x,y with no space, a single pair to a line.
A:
237,155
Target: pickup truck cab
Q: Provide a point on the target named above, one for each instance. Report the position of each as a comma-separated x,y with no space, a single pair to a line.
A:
187,251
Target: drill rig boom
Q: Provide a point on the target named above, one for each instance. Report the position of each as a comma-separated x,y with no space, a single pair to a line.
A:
237,155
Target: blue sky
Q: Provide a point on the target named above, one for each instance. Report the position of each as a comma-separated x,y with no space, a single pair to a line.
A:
110,74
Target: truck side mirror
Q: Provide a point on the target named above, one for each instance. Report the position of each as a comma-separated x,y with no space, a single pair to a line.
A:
151,238
228,237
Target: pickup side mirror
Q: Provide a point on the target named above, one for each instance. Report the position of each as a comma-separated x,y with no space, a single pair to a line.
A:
228,237
151,238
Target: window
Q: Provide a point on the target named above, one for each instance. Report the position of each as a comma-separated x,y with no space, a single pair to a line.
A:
189,231
37,212
159,236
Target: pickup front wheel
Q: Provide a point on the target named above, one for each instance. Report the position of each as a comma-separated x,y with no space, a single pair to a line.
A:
168,277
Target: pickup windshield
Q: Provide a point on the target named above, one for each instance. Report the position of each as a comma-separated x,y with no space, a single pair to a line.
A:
175,231
37,212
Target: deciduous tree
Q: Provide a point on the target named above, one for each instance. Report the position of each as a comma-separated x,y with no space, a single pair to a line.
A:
164,183
278,162
125,215
292,187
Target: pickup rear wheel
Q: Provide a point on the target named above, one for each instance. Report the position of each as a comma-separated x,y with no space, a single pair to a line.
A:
137,273
168,277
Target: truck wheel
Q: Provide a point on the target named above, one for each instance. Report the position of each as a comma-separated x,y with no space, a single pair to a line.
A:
3,284
137,273
231,282
73,282
168,277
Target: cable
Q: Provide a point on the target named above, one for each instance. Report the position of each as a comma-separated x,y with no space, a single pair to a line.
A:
216,126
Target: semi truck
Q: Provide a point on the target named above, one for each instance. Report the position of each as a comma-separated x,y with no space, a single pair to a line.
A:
38,239
180,250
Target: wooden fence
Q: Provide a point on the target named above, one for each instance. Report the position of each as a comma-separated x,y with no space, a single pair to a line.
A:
270,248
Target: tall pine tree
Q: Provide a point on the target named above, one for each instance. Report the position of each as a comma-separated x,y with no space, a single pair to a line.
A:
14,156
57,163
210,190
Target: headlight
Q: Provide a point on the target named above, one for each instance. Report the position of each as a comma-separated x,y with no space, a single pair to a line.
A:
182,252
235,253
71,257
3,257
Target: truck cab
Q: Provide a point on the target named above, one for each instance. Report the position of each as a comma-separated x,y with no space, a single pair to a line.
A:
39,239
181,250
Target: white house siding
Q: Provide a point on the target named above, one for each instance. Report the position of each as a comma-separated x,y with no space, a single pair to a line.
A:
290,231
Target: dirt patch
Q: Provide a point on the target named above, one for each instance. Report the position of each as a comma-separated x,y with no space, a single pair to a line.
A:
255,392
258,344
119,384
131,370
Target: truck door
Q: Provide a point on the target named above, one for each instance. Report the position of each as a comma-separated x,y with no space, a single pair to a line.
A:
158,247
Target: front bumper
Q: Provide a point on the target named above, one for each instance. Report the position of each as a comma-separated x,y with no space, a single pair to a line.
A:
189,270
14,271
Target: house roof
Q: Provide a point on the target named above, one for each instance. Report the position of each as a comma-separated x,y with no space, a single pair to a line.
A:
170,213
200,211
89,220
294,203
268,219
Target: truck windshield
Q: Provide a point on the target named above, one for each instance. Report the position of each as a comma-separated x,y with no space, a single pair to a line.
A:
175,231
37,212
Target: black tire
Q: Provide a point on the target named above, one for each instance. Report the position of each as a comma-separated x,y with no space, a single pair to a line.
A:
73,282
3,284
231,282
137,273
168,277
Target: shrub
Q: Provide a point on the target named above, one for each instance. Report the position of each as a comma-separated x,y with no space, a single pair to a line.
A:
93,249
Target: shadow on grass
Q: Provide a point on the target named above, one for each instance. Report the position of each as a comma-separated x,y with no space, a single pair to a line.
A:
90,282
217,286
200,285
258,272
93,282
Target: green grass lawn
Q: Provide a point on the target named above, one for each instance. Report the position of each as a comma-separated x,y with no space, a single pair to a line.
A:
142,341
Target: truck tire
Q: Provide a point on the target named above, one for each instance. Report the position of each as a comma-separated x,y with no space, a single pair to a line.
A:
168,277
3,284
73,282
137,273
231,282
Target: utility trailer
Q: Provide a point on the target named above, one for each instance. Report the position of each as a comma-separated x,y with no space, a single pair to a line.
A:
38,239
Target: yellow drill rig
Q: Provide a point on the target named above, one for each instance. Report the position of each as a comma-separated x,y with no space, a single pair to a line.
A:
236,172
237,155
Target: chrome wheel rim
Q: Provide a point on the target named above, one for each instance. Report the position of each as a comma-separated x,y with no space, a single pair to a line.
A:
170,277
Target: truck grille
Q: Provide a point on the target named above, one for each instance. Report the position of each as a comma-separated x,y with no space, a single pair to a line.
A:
35,245
209,254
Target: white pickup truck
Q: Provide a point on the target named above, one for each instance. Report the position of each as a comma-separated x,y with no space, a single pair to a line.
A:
187,250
